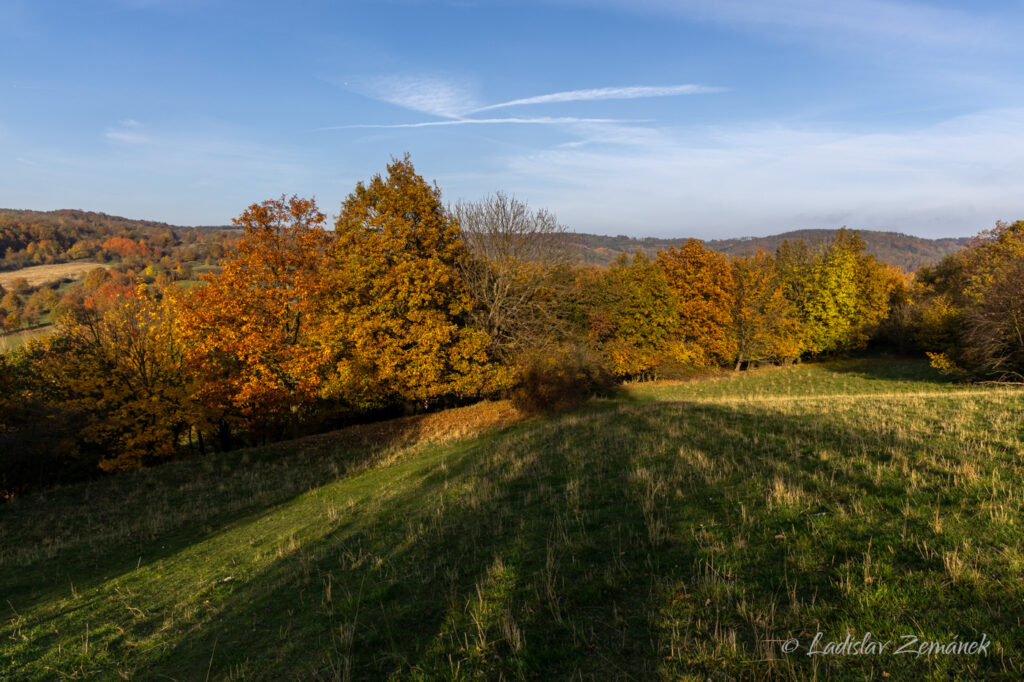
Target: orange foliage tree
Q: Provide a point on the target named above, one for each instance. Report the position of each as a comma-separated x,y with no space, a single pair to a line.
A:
127,248
399,309
702,280
253,331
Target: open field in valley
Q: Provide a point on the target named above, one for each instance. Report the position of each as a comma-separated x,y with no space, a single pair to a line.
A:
14,340
40,274
679,530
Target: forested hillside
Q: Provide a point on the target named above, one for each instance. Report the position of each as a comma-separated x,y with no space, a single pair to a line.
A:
901,250
45,237
42,237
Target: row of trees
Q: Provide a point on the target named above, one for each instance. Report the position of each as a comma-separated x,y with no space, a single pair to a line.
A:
405,305
302,323
692,307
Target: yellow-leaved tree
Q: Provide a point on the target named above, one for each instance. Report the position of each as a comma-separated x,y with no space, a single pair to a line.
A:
765,322
120,376
398,306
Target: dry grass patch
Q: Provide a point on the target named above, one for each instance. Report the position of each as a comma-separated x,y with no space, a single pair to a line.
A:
41,274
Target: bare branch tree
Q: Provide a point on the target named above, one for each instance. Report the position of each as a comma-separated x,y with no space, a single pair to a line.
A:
994,335
514,251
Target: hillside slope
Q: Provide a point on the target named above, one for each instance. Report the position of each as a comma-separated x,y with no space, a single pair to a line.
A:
684,530
901,250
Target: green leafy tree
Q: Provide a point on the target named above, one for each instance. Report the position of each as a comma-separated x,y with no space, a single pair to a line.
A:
841,294
630,315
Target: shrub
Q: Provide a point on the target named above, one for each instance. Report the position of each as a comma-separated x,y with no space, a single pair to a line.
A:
560,380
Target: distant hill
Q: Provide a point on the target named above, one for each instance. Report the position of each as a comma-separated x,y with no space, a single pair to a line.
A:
40,237
901,250
46,237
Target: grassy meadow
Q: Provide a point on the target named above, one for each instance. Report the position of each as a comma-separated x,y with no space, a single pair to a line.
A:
685,530
15,340
36,275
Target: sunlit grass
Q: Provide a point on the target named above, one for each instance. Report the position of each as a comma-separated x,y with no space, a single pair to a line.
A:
680,531
16,340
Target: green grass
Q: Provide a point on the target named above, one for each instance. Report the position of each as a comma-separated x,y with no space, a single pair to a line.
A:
680,531
15,340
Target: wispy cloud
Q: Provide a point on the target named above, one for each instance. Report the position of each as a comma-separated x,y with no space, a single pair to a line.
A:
435,95
542,120
628,92
627,134
454,101
127,131
956,177
865,21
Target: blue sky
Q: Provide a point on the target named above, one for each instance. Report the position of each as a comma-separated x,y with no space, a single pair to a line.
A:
672,118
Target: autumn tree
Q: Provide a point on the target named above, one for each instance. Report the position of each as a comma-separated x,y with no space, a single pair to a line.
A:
11,311
831,300
400,309
629,314
253,332
841,293
994,334
36,440
44,299
21,286
95,278
127,248
765,323
121,373
11,302
971,317
794,262
703,283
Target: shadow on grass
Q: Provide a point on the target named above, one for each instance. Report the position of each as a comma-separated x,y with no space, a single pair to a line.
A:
72,538
537,553
917,370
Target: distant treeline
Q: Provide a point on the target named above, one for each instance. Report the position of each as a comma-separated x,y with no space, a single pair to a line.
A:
904,251
38,237
406,305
